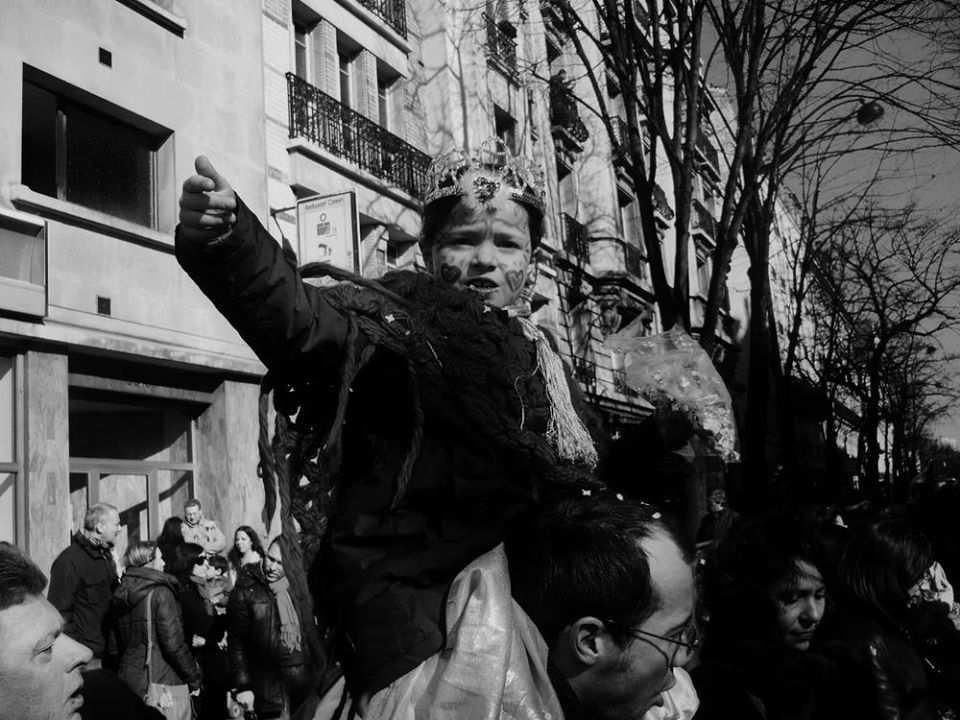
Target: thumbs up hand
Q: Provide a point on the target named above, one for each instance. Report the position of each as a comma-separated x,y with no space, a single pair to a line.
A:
207,204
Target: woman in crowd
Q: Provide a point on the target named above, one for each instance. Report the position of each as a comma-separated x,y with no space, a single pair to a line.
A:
764,599
882,672
429,407
203,627
148,617
171,535
246,549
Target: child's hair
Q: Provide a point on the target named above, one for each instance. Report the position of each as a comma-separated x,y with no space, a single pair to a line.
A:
219,563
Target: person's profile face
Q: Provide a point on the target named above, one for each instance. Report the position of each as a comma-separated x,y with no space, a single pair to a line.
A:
485,247
193,514
636,679
39,665
799,602
273,564
158,562
109,527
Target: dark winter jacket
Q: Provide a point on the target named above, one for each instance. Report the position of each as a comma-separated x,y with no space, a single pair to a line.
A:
201,619
881,676
258,660
388,567
171,662
82,581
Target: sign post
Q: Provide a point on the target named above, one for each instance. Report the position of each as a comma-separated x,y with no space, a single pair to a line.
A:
328,230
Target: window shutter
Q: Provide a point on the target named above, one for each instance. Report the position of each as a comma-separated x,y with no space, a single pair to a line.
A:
395,98
366,85
326,66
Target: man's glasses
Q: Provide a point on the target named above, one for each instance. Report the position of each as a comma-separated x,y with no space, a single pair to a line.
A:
688,638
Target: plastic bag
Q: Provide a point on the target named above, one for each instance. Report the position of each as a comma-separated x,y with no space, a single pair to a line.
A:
673,372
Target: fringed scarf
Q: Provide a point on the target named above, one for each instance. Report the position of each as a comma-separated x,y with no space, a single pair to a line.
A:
289,620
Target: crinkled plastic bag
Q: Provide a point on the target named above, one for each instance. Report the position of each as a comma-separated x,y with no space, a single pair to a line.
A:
674,373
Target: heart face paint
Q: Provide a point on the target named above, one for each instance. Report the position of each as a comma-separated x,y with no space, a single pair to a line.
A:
485,248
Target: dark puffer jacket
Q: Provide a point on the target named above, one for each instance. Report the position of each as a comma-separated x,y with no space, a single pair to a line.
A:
258,661
171,662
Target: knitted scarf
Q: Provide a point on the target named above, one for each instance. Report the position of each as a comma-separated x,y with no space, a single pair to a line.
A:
289,620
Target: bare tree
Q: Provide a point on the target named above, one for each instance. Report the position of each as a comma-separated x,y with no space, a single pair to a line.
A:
889,288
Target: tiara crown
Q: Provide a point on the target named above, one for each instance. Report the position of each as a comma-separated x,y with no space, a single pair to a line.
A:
494,166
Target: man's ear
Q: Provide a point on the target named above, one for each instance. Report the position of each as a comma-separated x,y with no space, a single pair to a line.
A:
587,641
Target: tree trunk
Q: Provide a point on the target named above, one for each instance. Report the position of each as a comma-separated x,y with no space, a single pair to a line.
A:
871,427
756,473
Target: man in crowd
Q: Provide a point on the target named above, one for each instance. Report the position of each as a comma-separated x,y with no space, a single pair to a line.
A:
268,656
718,520
197,529
39,664
611,590
83,578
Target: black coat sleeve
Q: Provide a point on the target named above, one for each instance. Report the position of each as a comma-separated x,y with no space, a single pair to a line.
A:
168,626
287,323
238,628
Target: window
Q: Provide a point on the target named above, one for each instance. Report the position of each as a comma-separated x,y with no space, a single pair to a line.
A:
505,128
703,271
9,468
346,96
132,452
630,219
383,108
393,254
75,152
23,266
300,50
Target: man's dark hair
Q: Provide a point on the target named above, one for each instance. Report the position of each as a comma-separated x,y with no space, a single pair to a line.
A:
581,556
19,576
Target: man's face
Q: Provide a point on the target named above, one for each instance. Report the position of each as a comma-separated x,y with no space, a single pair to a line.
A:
39,665
109,527
193,514
273,564
800,602
634,679
717,502
485,247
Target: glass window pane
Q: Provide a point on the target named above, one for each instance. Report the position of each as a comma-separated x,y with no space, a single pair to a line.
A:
174,487
7,411
109,166
78,500
8,507
129,494
38,168
128,430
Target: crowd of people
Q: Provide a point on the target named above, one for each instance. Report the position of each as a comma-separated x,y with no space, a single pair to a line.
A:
459,538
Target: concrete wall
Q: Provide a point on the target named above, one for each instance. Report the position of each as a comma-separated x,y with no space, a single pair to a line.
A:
47,471
205,86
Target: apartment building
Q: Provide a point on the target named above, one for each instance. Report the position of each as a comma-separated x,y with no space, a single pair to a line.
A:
119,382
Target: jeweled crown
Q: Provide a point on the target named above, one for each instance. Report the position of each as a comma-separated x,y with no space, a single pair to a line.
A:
494,166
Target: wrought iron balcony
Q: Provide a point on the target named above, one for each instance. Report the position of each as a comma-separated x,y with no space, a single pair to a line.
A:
393,12
585,372
702,222
564,113
349,135
709,157
501,46
573,238
660,205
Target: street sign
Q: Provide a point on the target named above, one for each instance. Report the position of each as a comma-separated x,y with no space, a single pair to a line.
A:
328,230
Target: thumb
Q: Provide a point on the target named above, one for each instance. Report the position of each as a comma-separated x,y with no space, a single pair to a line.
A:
205,167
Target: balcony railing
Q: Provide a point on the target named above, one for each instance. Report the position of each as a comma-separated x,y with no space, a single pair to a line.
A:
573,238
393,12
703,222
351,136
564,112
585,371
501,47
660,204
709,154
